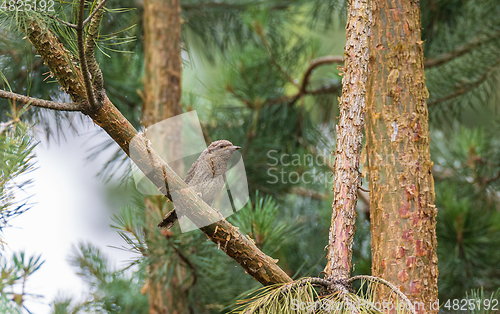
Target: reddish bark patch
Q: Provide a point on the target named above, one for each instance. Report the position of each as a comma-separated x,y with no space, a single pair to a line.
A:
411,261
407,235
420,248
400,252
404,210
415,287
403,275
415,218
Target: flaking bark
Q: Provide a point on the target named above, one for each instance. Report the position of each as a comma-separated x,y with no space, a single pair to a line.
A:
403,215
349,138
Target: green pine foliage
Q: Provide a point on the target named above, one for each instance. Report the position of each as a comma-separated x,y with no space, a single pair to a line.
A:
14,273
16,159
467,182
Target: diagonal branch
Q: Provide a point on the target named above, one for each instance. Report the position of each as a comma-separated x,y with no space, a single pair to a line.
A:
326,89
62,21
465,88
460,51
313,65
491,179
91,16
40,102
228,237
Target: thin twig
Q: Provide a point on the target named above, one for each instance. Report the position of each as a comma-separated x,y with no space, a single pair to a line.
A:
305,81
314,64
326,89
40,102
81,55
460,51
187,262
99,7
363,189
62,21
465,88
492,179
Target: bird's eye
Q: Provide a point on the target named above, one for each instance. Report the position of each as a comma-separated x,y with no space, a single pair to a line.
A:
222,146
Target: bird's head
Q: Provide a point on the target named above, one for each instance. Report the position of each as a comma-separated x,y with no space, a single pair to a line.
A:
222,146
221,151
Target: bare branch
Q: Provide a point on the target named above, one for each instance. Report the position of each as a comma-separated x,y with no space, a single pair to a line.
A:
62,21
314,64
81,54
491,179
99,7
40,102
465,88
326,89
87,20
460,51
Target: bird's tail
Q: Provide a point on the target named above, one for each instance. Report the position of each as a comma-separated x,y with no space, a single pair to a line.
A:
169,220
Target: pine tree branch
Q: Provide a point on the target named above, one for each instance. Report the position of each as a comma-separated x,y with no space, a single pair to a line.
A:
40,102
305,82
62,21
81,54
97,10
326,89
491,179
87,20
95,20
465,88
237,246
460,51
313,65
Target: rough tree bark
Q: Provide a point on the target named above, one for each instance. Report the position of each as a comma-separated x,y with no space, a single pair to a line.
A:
403,215
162,100
349,138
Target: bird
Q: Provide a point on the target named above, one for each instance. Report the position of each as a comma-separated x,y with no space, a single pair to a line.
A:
207,175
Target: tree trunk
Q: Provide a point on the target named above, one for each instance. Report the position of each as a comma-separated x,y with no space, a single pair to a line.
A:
403,215
349,138
162,100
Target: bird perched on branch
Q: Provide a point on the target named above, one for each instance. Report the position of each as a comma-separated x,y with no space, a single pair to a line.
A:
207,175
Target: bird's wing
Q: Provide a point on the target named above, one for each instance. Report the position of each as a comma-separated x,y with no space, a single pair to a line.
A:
169,220
190,173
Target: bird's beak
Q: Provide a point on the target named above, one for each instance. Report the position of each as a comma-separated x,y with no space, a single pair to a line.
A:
235,147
